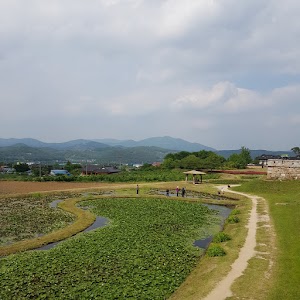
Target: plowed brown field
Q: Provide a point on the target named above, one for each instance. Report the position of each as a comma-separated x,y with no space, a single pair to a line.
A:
20,187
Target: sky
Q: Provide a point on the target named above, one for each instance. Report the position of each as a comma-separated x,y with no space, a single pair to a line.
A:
222,73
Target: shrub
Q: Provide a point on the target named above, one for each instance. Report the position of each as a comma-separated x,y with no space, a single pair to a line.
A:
233,219
36,195
215,250
221,237
235,212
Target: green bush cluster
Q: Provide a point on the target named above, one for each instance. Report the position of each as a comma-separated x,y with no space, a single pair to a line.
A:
221,237
233,219
215,250
235,212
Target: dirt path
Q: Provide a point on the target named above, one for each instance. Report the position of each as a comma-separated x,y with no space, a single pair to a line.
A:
222,290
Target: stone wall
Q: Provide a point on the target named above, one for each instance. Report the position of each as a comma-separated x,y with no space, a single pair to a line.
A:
283,169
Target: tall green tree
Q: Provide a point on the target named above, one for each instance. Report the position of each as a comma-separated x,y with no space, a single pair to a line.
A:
21,167
190,162
241,160
169,163
213,161
246,155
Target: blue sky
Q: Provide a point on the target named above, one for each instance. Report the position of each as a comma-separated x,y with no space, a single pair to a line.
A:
223,73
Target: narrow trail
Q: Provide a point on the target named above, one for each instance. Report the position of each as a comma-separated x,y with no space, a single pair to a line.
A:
222,290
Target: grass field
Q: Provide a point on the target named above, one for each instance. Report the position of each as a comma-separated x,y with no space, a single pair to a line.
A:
283,199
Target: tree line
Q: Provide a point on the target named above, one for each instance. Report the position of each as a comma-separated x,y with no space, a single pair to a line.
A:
207,160
203,160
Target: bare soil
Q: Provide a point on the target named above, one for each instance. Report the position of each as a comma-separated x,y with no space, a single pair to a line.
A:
20,187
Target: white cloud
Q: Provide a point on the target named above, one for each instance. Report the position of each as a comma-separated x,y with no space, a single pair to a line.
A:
173,67
156,76
222,97
177,17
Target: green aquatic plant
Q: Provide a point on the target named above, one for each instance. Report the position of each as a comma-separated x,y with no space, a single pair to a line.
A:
145,252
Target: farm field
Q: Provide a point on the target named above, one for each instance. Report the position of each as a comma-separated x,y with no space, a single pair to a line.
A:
23,187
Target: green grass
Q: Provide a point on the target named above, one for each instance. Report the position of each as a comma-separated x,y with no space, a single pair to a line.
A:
145,253
284,204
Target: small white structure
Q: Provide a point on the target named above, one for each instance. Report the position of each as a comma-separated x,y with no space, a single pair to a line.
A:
59,173
137,165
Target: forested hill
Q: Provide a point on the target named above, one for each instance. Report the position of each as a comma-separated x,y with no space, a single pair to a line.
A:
165,142
112,155
253,153
107,150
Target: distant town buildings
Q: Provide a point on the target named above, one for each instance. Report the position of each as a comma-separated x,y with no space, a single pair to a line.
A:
7,170
98,170
59,173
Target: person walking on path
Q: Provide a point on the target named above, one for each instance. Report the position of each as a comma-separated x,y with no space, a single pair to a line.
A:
137,189
177,190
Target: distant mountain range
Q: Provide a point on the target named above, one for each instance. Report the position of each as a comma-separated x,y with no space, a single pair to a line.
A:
106,151
79,144
165,142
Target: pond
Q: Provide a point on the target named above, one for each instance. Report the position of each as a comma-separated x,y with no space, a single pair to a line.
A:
223,212
99,222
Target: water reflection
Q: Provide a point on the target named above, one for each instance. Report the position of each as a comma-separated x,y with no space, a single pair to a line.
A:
99,222
223,212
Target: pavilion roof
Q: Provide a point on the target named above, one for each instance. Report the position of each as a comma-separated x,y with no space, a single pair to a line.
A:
194,172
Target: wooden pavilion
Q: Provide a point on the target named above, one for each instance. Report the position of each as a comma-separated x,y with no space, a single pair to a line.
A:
194,173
